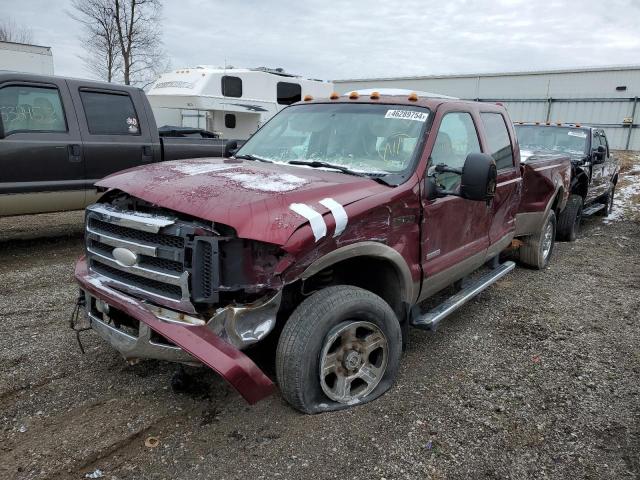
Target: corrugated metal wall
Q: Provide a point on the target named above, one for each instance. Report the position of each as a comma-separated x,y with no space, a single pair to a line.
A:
588,96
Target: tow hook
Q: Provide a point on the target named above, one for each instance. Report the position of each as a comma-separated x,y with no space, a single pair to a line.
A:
73,320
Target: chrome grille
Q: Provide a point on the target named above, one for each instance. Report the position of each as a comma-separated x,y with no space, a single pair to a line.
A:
159,244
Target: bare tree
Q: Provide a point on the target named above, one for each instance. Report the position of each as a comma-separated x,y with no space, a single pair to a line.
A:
138,27
123,39
100,37
11,32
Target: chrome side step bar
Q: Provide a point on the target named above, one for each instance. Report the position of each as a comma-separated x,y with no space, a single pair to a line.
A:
431,319
596,207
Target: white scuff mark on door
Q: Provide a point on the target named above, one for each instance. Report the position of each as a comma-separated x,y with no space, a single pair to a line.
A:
200,168
338,212
267,182
315,219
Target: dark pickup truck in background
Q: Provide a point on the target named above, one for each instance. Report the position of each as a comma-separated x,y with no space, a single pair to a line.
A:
58,136
594,171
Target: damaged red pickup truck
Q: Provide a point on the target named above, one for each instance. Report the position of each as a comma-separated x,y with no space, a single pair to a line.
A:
323,233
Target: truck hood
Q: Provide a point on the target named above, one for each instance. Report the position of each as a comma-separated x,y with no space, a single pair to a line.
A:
254,198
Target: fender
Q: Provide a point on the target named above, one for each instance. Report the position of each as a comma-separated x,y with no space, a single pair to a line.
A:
530,222
369,249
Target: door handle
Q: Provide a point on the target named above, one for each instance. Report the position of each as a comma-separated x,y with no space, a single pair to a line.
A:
147,153
75,153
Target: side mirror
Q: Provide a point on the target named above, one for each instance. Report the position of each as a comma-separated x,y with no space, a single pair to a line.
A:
230,148
599,154
479,177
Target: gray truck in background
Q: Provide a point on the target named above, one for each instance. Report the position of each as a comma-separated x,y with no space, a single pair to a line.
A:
58,136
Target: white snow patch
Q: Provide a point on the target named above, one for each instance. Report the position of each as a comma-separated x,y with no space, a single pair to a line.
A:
267,182
624,205
200,168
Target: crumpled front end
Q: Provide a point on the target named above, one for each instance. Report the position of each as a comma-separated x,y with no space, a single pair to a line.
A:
135,329
162,286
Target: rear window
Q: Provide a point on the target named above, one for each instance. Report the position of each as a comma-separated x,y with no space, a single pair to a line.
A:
27,108
289,93
109,113
231,86
498,139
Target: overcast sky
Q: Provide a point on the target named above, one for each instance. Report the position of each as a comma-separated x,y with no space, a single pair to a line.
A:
369,38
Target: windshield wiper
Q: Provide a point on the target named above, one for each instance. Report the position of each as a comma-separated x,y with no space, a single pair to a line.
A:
249,156
376,176
319,164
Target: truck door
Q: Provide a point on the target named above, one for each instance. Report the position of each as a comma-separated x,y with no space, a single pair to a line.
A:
40,155
498,141
114,128
455,231
599,164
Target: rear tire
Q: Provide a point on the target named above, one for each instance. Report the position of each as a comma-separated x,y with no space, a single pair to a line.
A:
537,249
340,347
569,219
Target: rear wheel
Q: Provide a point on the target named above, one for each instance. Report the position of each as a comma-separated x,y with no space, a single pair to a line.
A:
537,249
340,347
569,219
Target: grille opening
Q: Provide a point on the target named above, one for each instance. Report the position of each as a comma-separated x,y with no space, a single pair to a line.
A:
173,292
138,235
161,265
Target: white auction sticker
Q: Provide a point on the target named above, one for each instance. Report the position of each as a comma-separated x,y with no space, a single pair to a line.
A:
407,115
577,133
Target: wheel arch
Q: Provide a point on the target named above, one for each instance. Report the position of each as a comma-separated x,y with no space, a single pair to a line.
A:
580,185
370,265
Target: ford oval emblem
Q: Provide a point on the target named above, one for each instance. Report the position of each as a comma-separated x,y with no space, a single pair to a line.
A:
125,257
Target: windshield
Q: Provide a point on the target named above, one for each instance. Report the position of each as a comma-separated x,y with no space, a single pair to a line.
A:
366,138
560,139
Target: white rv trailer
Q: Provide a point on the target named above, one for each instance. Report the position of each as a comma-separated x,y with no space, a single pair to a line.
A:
232,102
22,57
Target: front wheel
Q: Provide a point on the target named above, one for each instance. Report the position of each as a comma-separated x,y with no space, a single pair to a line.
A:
340,347
569,219
536,249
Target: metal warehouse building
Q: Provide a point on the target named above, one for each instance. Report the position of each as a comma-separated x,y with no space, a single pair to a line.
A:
606,97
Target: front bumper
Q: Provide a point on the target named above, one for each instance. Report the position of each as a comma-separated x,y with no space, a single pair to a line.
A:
193,343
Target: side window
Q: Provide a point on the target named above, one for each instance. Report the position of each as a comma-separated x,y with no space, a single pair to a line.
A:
457,138
229,120
231,86
288,93
27,108
498,139
109,113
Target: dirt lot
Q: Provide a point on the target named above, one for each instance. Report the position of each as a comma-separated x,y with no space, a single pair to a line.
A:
539,377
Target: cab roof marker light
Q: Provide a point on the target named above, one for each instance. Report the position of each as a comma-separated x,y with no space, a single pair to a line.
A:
308,98
578,125
353,95
413,97
375,95
334,96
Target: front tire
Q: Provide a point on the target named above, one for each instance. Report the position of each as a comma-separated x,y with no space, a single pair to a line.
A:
537,249
340,347
569,219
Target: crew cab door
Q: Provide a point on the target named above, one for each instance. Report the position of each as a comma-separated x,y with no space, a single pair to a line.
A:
600,165
498,140
114,129
40,155
455,231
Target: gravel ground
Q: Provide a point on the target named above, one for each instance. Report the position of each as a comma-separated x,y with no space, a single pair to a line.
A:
539,377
